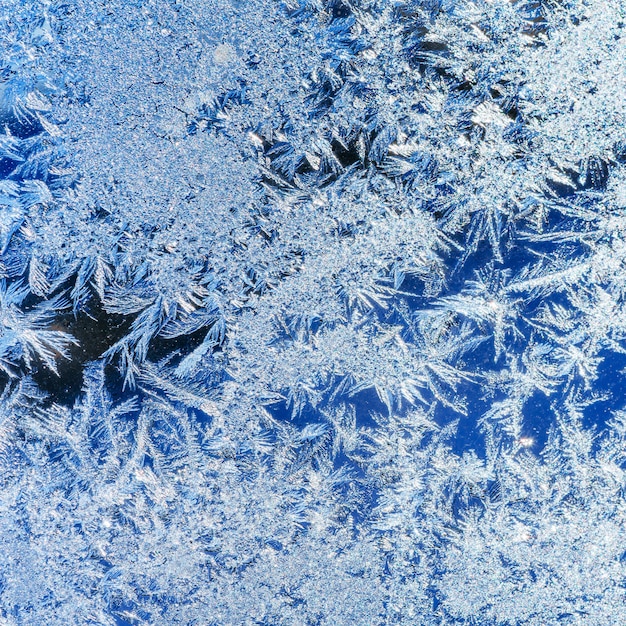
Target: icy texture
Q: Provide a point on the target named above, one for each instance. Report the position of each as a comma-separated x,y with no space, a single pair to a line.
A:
312,313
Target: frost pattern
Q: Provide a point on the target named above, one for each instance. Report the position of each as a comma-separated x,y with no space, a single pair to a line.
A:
312,312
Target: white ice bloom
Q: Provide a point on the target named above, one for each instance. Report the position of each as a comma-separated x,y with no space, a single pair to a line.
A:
312,313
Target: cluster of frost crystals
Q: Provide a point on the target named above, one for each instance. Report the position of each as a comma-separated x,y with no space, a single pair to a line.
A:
312,312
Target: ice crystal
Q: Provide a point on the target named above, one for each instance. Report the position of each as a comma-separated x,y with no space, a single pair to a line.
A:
312,312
